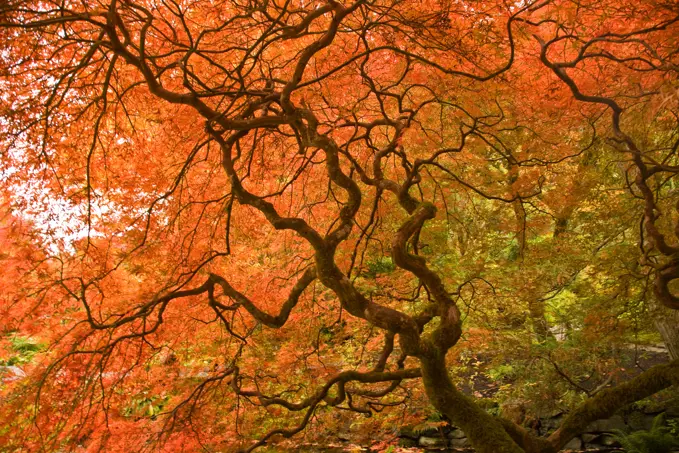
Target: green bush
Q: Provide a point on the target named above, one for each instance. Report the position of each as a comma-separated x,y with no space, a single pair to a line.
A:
659,439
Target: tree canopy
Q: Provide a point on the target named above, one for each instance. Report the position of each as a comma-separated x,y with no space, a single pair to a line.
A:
228,222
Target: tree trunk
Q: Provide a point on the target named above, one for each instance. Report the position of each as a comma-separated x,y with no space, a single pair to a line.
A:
485,432
536,309
667,322
561,224
520,235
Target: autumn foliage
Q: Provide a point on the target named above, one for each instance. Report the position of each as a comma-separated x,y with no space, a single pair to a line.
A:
232,223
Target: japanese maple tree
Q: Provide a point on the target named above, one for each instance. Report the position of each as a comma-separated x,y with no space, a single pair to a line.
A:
243,211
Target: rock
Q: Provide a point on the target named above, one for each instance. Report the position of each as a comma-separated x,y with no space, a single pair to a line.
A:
429,442
459,443
589,438
447,429
607,425
657,348
573,444
550,424
639,421
456,434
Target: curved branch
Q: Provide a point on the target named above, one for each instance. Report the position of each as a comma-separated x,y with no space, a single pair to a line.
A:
609,400
268,320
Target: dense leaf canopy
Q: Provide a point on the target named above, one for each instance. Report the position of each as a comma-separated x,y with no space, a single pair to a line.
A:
230,223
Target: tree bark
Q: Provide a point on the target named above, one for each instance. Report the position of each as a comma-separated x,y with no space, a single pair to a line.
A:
609,400
536,309
667,322
485,432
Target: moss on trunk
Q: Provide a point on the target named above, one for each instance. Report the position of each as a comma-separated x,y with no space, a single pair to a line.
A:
485,432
